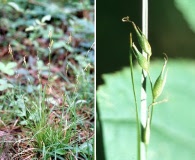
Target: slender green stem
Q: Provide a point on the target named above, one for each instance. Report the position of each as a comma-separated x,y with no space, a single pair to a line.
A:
150,108
136,107
143,81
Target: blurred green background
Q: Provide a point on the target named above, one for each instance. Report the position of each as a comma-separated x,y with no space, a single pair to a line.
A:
171,31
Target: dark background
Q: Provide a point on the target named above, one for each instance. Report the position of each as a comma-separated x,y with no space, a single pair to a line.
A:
168,32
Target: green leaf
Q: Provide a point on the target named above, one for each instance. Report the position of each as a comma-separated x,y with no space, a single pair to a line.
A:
19,106
11,65
187,9
86,148
8,68
30,28
62,44
4,85
46,18
172,134
60,151
15,6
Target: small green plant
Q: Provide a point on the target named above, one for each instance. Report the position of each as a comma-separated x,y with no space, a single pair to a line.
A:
143,133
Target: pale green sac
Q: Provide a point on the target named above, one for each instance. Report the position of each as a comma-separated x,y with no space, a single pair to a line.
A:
143,42
160,83
140,58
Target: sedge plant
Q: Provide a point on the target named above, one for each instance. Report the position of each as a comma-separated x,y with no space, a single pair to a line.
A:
53,125
143,132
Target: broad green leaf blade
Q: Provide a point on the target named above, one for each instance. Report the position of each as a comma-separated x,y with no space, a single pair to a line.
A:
2,66
116,103
8,68
60,151
173,130
15,6
11,65
186,7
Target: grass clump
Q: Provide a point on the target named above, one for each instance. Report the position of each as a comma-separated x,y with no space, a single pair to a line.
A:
48,114
50,120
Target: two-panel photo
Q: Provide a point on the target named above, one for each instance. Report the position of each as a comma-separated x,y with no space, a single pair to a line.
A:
97,80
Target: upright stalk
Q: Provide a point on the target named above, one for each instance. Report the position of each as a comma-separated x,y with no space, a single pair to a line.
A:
143,114
144,120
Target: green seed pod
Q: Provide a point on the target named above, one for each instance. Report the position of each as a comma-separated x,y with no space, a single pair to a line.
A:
160,82
140,58
143,42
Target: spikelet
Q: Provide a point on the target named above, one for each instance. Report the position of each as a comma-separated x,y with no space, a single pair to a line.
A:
144,64
160,82
143,42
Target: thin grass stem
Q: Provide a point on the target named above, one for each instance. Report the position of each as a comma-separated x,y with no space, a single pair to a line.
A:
136,106
143,109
